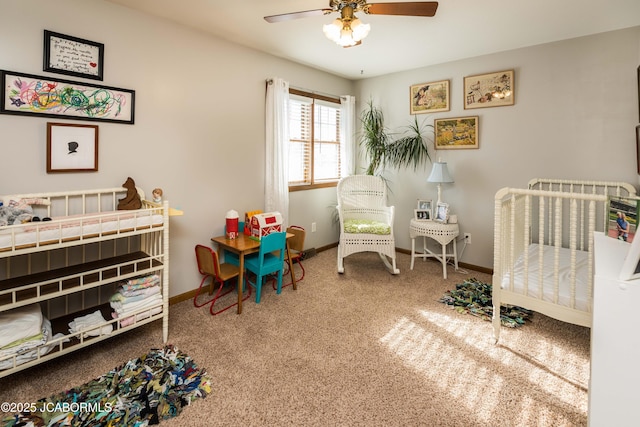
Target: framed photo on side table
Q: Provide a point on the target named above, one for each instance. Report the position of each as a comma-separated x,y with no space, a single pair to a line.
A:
425,205
442,212
422,215
72,148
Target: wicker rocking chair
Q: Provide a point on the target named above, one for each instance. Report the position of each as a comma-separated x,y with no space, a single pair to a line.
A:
366,222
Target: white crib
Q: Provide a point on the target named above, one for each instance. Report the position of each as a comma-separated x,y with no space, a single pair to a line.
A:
543,246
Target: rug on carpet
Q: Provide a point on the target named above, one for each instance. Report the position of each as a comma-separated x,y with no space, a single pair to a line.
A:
474,297
141,392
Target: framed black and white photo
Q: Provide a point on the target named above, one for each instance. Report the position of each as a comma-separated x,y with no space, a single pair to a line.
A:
72,147
425,205
73,56
422,215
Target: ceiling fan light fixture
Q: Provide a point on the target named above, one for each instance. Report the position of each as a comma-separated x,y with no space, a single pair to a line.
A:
346,32
359,29
333,30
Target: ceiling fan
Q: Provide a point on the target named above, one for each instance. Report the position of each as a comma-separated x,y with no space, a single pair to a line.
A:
348,30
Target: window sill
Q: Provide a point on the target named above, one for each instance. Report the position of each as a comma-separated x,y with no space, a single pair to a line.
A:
293,188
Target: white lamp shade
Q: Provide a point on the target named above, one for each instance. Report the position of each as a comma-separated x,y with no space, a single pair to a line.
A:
440,173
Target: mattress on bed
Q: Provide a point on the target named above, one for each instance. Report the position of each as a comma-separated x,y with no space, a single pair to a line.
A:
564,276
76,226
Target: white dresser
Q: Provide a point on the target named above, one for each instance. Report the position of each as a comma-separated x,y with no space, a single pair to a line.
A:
614,389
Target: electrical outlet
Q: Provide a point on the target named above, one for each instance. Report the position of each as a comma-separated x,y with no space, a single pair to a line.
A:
313,227
467,238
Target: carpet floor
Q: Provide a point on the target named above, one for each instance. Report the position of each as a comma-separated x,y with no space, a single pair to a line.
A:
365,348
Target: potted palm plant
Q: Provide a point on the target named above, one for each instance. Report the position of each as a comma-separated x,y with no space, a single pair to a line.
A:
409,149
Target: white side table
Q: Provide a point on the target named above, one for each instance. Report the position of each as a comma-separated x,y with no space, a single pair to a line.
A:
441,233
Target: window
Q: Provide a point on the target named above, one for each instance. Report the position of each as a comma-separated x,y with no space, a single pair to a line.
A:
314,132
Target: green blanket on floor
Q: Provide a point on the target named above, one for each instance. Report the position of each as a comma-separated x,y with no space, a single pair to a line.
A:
474,297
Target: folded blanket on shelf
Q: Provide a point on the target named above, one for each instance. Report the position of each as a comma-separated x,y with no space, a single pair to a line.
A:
93,323
20,323
29,351
133,296
141,283
123,309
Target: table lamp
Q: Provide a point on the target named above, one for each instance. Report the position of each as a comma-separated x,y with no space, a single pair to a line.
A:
439,174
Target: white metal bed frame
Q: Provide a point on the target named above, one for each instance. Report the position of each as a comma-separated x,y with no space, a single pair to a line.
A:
94,264
560,215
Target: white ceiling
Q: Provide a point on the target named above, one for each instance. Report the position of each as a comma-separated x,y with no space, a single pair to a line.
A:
460,29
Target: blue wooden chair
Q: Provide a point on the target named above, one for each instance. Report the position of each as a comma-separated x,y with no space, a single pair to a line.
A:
269,260
230,257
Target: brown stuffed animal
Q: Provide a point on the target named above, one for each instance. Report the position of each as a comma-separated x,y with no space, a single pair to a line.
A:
132,199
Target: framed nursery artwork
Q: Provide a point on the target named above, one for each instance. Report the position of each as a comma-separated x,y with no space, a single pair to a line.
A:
429,97
489,90
64,99
72,147
456,133
442,212
73,56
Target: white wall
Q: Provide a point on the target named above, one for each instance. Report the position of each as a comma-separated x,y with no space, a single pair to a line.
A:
200,112
574,117
199,118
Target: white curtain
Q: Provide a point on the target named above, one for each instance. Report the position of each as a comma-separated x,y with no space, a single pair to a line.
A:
277,148
348,134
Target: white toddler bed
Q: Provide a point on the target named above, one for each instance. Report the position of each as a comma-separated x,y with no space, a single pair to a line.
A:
543,246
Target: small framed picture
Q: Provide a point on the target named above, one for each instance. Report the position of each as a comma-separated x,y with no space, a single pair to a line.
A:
623,218
429,97
442,212
422,215
72,147
425,205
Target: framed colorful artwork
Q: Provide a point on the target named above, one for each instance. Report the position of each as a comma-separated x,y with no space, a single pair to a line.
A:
456,133
73,56
63,99
72,147
489,90
429,97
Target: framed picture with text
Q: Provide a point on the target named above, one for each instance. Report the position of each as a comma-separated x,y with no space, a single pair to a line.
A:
73,56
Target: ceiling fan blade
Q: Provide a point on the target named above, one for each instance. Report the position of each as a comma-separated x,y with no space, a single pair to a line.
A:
425,8
297,15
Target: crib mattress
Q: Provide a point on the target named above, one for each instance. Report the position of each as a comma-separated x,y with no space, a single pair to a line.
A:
548,276
73,228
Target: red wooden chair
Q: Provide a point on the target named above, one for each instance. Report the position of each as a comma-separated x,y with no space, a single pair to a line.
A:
210,267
